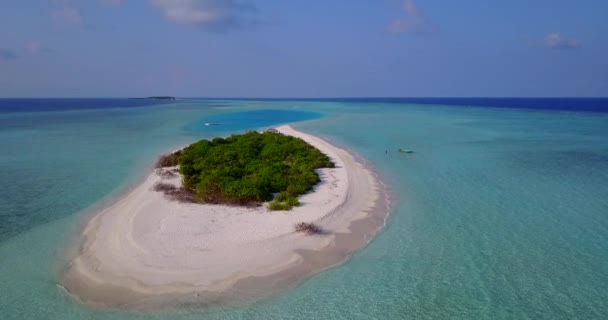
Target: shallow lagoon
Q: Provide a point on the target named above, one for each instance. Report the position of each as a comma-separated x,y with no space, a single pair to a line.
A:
238,121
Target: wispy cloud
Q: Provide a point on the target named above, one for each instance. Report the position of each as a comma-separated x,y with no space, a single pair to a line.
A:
413,21
7,54
67,16
556,41
207,13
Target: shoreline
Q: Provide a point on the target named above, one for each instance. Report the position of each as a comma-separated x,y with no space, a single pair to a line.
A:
182,254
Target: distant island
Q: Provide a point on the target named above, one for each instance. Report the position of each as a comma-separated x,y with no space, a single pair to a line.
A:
157,98
246,169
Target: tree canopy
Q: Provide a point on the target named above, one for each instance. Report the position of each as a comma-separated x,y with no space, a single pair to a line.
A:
250,168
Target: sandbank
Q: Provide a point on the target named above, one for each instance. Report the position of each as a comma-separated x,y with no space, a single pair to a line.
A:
146,250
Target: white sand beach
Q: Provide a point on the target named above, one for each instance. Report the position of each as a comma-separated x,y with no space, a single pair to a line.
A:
146,247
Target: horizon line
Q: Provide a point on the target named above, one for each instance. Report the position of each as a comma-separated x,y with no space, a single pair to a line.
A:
315,98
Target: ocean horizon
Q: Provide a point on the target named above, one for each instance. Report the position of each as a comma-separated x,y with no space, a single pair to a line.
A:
575,104
500,212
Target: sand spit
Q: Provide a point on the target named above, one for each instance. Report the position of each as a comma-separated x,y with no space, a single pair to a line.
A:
147,251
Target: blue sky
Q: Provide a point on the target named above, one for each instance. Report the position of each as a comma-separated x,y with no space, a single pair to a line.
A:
280,48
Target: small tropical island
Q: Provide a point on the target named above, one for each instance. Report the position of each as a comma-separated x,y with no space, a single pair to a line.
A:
225,220
156,98
246,169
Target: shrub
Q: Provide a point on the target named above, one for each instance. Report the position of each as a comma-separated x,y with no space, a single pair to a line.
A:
169,160
282,196
292,202
278,206
164,187
309,228
166,173
248,169
184,195
180,194
283,201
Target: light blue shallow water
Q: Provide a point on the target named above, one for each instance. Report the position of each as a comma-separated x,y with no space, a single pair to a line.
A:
501,214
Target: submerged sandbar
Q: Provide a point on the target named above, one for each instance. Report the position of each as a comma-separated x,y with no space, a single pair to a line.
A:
146,250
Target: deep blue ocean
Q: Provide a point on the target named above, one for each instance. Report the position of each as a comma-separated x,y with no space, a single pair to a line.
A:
501,212
58,104
563,104
555,104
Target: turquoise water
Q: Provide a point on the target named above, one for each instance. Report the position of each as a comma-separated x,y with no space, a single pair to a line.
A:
500,213
237,121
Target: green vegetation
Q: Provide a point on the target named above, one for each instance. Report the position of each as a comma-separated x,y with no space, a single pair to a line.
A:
248,169
169,160
284,201
175,193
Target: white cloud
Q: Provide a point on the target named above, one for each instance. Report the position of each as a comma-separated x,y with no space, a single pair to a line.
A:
67,16
209,13
555,41
413,21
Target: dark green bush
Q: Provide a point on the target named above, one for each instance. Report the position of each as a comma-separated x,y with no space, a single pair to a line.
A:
249,168
278,206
